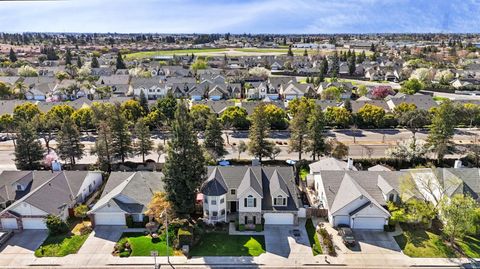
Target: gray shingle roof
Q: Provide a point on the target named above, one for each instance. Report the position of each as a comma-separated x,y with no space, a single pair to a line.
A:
214,185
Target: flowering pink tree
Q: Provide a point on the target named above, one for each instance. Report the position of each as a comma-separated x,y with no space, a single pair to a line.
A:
381,92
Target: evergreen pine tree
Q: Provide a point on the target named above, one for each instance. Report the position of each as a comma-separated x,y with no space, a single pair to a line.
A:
94,63
12,56
28,150
258,144
68,57
351,65
79,62
121,137
184,168
214,142
298,128
145,144
144,103
103,145
69,144
290,52
305,53
315,137
120,64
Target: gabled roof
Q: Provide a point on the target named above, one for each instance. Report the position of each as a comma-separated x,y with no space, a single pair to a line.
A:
214,185
137,186
277,183
250,180
329,163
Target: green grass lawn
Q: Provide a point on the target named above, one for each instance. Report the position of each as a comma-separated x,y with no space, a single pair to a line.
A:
148,54
60,245
313,238
421,243
222,244
141,245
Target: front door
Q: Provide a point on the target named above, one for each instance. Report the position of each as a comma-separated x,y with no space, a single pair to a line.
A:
233,206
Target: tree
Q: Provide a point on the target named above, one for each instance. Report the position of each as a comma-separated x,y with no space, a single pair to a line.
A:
338,116
305,53
315,137
55,225
12,56
409,150
160,149
413,120
132,110
442,130
290,52
5,90
199,64
351,65
121,137
235,117
25,112
200,115
213,142
144,143
258,144
68,57
120,64
27,71
241,148
144,103
94,63
184,168
79,62
380,92
362,90
28,150
335,70
458,215
83,118
293,106
371,115
62,75
69,144
337,149
412,86
332,93
260,72
103,145
276,117
158,207
167,106
58,113
298,129
80,211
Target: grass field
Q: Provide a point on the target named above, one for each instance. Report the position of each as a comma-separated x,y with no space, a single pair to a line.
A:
60,245
148,54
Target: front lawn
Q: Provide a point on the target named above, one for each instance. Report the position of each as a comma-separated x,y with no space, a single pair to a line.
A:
421,243
60,245
222,244
313,238
470,246
142,244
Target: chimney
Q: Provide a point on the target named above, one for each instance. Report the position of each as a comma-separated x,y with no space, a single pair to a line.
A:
350,164
458,164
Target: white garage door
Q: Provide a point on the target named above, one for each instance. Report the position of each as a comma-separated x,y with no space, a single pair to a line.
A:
9,223
278,218
110,219
368,223
33,224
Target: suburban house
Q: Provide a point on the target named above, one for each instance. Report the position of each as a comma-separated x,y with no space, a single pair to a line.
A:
250,194
357,198
29,196
125,194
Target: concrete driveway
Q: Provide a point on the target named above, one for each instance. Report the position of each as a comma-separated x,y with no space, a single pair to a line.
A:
19,249
281,241
102,240
375,242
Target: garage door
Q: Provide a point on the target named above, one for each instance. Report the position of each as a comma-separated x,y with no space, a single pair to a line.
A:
33,224
278,218
110,219
9,223
368,223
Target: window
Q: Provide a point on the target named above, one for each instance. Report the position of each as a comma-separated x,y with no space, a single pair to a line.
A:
214,213
222,213
19,187
391,197
250,201
222,200
213,202
233,191
280,200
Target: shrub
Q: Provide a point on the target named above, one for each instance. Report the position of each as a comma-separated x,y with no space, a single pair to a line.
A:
241,227
389,228
258,227
55,225
129,221
184,237
86,229
327,241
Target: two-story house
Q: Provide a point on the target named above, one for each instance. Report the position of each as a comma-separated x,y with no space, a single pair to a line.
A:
250,194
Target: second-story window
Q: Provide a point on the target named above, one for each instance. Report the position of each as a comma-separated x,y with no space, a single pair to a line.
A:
233,191
250,201
222,201
213,202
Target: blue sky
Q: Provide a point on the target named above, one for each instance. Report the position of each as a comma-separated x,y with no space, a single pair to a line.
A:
241,16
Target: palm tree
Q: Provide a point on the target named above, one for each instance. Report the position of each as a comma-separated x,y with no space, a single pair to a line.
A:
20,89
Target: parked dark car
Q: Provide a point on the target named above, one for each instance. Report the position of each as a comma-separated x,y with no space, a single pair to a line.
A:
347,236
